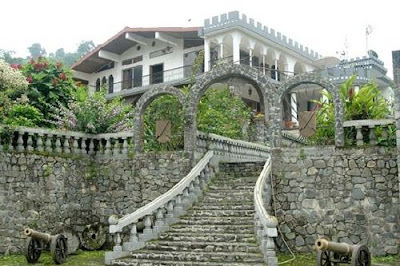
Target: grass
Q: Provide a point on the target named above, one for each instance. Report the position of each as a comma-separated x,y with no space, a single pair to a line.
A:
82,258
311,260
95,258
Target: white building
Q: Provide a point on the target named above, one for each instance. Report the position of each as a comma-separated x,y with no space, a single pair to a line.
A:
135,59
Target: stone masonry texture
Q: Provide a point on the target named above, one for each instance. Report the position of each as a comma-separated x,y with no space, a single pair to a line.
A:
347,195
47,192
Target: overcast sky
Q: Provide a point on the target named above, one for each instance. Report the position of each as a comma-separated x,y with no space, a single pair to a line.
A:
324,26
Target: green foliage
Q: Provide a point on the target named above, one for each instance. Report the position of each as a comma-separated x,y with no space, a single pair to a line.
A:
221,113
23,115
93,113
82,258
165,107
49,83
367,103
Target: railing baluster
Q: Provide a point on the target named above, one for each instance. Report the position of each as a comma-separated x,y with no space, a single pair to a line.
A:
66,147
48,144
359,136
107,150
372,136
20,141
29,143
83,145
75,146
39,142
58,144
125,146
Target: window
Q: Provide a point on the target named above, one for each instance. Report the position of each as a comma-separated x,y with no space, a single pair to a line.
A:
157,74
110,84
98,84
132,77
103,81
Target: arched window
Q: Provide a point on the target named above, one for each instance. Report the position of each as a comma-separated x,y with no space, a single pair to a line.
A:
110,84
98,84
103,81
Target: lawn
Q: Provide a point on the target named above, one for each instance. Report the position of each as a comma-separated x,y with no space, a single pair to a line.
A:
82,258
95,258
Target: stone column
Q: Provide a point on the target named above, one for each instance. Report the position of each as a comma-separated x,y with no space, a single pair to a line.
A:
236,38
276,69
293,104
251,57
206,55
397,118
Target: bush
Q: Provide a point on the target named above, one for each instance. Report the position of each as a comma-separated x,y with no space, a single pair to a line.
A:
50,83
23,115
92,113
221,113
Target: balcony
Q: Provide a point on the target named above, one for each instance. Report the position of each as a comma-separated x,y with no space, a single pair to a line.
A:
173,77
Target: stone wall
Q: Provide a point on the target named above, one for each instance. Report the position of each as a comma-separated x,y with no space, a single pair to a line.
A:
348,195
46,192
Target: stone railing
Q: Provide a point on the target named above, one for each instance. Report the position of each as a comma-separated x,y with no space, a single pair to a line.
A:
22,139
265,224
231,150
369,127
158,214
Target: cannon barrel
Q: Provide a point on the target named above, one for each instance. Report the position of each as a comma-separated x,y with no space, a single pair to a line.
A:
46,238
340,248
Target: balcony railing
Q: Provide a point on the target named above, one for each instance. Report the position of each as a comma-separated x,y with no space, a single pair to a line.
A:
167,76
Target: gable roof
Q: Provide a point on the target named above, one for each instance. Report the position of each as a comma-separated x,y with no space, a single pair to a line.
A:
118,44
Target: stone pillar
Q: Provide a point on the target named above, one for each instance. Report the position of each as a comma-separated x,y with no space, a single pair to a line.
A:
221,50
263,62
206,55
276,69
397,118
236,38
293,104
251,57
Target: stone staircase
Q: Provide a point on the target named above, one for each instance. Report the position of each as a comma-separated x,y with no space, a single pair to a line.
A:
217,230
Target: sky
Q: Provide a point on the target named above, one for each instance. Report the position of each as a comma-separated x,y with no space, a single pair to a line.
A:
327,27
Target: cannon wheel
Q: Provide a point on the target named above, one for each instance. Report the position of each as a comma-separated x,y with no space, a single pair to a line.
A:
361,256
59,249
324,258
33,249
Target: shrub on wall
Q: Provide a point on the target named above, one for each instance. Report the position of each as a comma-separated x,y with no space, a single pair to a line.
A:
367,103
92,113
50,83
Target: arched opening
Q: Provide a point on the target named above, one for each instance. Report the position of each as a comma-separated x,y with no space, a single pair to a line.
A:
163,125
232,76
103,81
282,68
159,120
98,84
304,101
110,84
298,68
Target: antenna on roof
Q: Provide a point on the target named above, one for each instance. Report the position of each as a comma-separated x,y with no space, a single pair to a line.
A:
368,31
345,52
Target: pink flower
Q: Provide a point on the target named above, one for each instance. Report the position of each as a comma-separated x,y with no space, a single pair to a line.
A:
29,79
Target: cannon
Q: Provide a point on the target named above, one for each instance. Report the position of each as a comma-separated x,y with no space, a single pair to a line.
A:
38,241
333,253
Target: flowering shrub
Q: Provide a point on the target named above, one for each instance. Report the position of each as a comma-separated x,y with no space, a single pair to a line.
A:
50,83
11,78
94,114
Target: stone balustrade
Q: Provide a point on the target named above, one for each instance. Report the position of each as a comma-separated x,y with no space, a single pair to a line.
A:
158,214
369,127
231,150
23,139
265,224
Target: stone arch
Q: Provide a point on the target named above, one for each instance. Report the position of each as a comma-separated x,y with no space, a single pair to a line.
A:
220,73
144,101
311,78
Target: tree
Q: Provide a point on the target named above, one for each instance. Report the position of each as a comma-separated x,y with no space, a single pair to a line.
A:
85,47
36,50
8,57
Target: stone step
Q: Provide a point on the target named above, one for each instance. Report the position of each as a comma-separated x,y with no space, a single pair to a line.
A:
143,262
234,182
225,194
208,237
212,228
199,256
161,245
215,220
224,207
230,187
226,200
220,213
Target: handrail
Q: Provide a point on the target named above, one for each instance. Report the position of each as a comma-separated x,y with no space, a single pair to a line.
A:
163,199
266,223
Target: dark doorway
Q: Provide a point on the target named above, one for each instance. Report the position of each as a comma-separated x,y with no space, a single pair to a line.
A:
157,74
